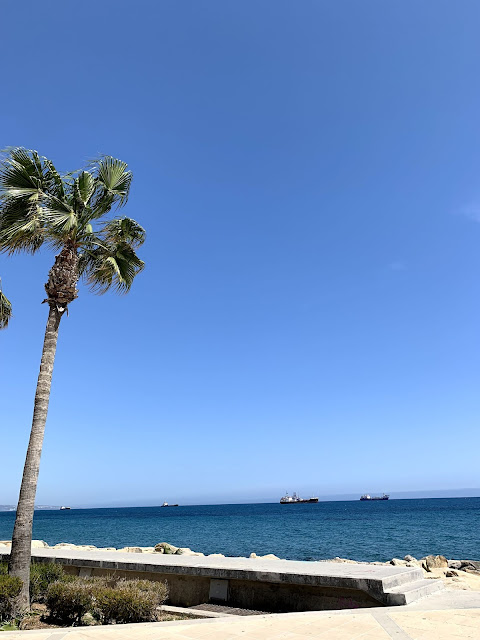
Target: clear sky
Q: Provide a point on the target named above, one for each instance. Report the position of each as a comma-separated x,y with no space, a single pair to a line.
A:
308,173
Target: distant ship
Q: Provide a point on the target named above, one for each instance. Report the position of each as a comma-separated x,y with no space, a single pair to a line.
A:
366,496
165,504
65,508
294,499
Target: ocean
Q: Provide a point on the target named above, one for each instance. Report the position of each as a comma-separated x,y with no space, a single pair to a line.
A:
357,530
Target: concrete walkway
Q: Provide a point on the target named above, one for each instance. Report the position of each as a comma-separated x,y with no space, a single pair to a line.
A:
444,616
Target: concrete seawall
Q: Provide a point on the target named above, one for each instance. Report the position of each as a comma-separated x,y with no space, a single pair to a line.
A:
252,583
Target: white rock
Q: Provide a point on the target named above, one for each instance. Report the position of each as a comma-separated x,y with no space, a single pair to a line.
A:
38,544
165,547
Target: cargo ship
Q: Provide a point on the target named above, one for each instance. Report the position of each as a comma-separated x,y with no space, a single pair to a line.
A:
367,497
294,499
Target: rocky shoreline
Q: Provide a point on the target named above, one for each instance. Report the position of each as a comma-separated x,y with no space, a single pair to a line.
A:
456,574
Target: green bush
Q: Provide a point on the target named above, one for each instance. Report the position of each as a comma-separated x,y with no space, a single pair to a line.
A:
41,577
128,601
69,601
10,587
3,568
107,599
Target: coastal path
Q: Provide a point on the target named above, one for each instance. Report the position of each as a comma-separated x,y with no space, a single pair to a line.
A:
383,623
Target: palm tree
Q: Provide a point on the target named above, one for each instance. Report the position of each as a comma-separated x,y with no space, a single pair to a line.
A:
67,213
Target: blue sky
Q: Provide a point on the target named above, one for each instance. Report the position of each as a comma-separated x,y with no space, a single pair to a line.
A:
308,174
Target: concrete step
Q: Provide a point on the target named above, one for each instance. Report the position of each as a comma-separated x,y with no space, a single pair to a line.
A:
410,592
411,574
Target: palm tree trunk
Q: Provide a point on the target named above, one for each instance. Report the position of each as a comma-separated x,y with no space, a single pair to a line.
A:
20,555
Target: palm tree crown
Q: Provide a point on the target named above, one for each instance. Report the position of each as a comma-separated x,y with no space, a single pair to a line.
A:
38,205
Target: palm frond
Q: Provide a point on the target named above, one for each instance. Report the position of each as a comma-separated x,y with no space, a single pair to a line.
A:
17,181
5,309
124,230
22,181
84,187
54,180
113,181
109,265
59,216
116,178
21,225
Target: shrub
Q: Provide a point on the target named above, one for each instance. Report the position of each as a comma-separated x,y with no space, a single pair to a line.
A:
69,601
41,576
129,601
10,587
107,599
3,568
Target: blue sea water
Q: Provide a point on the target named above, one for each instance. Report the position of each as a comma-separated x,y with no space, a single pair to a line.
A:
357,530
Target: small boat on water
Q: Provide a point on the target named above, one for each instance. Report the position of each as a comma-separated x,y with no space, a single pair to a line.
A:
65,508
367,497
165,504
294,499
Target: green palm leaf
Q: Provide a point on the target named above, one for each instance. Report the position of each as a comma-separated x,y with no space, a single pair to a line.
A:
84,187
5,310
109,261
124,230
113,185
21,225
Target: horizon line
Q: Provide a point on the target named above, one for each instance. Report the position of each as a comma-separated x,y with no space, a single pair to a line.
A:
401,495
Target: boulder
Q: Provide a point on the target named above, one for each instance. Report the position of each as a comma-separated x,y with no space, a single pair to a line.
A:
38,544
434,562
451,573
337,559
410,558
184,551
88,547
398,563
470,564
454,564
131,550
253,555
270,556
165,547
216,555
